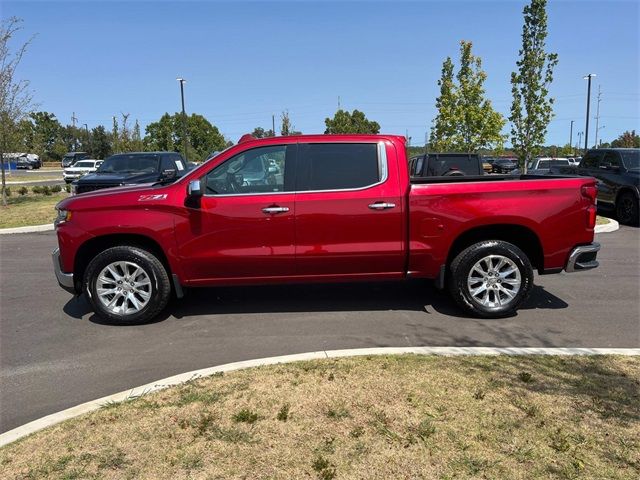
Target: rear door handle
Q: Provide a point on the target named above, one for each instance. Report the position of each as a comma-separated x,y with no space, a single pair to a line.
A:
381,205
275,209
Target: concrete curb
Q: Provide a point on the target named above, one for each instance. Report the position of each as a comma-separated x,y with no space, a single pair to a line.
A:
44,422
612,226
29,229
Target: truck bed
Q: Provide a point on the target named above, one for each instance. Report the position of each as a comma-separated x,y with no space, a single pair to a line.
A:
483,178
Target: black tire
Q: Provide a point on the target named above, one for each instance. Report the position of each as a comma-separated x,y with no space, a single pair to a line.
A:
627,209
462,265
155,270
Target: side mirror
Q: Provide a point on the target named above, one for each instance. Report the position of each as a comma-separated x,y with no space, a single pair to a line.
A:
169,174
194,189
194,194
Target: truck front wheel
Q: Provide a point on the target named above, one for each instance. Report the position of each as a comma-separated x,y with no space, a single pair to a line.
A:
127,285
490,279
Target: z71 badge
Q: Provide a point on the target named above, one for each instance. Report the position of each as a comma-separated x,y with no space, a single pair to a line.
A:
146,198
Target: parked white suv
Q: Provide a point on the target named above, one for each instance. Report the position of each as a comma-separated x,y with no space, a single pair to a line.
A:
79,169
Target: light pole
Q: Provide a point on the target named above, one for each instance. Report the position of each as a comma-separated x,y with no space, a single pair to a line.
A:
87,130
586,129
184,119
571,135
580,138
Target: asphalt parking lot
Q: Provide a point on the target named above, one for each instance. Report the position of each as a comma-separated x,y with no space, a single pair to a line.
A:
54,353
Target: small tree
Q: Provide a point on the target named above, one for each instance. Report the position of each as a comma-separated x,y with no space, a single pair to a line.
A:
532,108
15,96
444,125
286,127
466,120
355,122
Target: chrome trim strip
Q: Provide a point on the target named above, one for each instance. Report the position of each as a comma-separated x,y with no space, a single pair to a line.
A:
383,171
572,263
64,279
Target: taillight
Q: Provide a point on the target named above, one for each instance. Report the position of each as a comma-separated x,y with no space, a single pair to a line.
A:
591,216
591,192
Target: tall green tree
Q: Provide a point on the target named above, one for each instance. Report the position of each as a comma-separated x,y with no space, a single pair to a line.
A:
532,107
443,130
46,131
355,122
100,143
479,125
15,95
466,120
166,134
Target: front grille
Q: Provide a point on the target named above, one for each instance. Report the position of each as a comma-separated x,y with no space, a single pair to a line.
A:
90,188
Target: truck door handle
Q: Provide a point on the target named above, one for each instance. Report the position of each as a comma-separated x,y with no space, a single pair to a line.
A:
381,206
275,209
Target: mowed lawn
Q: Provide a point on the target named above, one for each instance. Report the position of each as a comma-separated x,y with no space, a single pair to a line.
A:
29,209
395,417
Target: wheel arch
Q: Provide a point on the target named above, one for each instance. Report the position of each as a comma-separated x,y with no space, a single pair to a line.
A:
89,249
521,236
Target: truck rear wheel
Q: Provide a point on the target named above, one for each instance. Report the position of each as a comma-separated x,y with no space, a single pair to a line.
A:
490,279
627,209
127,285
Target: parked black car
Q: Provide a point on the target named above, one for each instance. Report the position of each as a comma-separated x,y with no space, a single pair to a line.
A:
618,173
28,161
133,168
72,157
503,165
445,164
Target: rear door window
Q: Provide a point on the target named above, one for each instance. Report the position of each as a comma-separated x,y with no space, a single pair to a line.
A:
338,166
590,160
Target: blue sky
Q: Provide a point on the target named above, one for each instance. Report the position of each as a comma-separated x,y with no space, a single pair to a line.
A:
246,61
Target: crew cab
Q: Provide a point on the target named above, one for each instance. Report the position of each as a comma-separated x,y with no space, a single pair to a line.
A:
342,208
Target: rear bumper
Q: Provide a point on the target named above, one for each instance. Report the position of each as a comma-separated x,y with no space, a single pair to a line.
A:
65,280
583,258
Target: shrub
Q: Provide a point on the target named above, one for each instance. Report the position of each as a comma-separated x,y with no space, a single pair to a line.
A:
7,191
23,191
56,188
46,190
67,188
37,189
245,415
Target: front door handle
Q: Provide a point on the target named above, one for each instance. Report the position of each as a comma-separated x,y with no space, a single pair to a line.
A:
275,209
381,205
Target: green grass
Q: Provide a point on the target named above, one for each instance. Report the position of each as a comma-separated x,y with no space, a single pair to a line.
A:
602,220
504,417
30,209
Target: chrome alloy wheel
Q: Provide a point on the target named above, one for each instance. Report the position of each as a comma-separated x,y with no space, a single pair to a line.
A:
494,281
123,288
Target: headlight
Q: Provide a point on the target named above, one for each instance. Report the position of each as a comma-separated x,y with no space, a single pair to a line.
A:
63,216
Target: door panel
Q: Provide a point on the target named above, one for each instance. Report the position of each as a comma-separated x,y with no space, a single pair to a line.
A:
245,225
231,237
337,233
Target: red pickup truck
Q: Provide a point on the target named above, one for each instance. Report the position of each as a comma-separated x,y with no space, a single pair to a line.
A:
322,208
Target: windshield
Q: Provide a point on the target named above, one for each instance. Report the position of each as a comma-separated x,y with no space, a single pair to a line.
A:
631,159
130,164
84,165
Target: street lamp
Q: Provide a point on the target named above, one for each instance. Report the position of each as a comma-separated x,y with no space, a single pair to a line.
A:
184,119
87,130
586,130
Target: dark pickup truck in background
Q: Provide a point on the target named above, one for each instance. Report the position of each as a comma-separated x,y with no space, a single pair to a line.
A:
617,171
132,169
